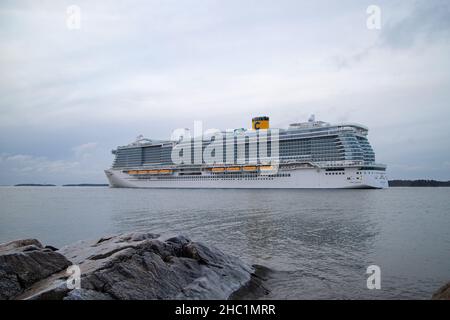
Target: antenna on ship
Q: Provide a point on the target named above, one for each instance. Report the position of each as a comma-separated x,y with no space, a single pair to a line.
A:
140,138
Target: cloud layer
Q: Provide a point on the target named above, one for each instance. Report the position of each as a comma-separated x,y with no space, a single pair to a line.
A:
67,97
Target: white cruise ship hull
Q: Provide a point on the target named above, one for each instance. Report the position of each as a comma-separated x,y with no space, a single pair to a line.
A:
349,178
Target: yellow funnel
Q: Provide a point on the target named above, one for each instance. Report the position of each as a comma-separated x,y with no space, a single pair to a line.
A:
260,123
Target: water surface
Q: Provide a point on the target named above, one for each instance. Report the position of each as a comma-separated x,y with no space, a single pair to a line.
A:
320,241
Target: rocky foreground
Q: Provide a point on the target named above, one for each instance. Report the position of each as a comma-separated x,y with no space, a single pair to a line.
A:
127,266
443,293
131,266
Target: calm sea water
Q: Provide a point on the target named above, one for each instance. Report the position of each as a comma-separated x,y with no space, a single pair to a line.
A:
320,242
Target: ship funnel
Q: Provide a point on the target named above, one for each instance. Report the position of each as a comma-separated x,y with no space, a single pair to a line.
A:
260,123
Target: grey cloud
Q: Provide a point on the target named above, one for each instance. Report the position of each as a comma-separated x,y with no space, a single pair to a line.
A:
428,21
425,22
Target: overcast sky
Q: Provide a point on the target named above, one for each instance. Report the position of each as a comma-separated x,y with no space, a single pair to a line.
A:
69,96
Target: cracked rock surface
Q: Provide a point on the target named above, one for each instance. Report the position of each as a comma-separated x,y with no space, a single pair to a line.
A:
24,263
134,265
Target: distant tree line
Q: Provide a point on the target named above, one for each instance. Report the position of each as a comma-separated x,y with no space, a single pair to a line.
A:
418,183
64,185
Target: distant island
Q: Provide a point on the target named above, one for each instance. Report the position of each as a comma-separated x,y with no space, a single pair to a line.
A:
86,185
64,185
34,185
418,183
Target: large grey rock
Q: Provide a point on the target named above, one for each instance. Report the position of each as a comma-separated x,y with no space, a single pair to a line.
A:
443,293
25,262
145,266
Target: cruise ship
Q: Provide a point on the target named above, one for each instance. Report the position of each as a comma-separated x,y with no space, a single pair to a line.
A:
312,154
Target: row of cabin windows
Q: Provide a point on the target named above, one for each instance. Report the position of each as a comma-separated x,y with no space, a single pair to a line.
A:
342,173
